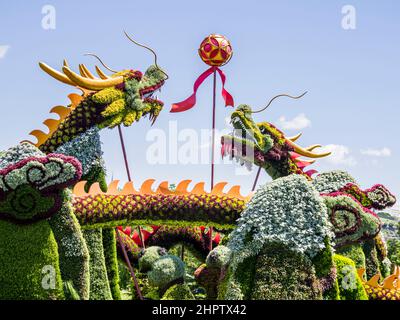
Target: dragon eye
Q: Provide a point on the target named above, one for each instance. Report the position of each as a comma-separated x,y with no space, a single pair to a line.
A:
263,130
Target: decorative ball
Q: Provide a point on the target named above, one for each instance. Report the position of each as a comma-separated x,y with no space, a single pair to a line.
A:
215,50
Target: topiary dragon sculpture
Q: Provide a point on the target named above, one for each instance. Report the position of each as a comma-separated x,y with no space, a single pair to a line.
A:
348,208
68,234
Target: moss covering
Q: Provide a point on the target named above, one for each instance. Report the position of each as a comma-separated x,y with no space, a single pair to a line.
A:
282,273
325,271
178,292
95,174
99,286
244,276
350,284
150,256
72,250
110,254
371,258
354,252
28,256
394,251
208,278
165,271
219,257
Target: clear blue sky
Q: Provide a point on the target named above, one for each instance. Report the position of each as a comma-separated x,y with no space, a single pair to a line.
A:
280,46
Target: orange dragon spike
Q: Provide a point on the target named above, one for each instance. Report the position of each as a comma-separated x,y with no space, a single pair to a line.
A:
113,187
129,189
199,188
95,189
146,187
164,188
79,189
182,187
218,188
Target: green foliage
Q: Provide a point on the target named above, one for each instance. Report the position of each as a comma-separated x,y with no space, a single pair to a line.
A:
238,283
209,279
332,181
124,275
110,255
371,258
72,249
350,284
385,267
288,210
25,203
178,292
150,256
324,270
99,286
351,222
28,256
398,228
394,251
70,292
219,257
283,273
354,252
166,270
192,238
148,291
95,174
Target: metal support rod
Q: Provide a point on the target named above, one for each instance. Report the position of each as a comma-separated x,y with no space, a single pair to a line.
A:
183,252
213,128
122,245
213,143
256,179
128,173
121,138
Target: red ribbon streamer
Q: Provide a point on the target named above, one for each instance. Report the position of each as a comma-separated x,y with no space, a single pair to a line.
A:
191,101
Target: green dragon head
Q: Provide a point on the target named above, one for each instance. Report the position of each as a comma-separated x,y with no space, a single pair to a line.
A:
264,145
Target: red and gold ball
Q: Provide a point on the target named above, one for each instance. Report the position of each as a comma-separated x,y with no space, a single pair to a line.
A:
215,50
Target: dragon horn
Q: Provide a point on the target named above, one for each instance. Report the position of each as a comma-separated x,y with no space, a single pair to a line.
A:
91,84
314,146
101,61
307,153
148,48
55,74
85,72
101,74
278,96
296,137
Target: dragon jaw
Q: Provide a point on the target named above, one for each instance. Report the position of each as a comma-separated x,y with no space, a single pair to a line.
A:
137,98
